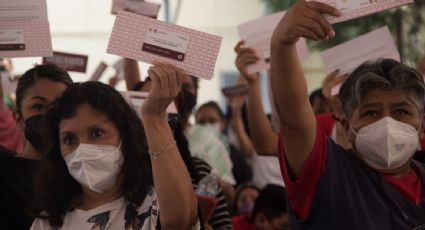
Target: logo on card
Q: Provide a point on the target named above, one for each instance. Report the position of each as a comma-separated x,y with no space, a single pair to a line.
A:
165,43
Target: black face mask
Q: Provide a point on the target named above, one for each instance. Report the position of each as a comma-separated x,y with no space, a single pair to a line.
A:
35,131
185,103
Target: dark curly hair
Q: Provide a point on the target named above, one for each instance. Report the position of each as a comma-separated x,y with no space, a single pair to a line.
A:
56,191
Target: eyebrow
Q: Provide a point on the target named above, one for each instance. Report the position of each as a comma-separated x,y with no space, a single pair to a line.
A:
39,98
401,104
366,105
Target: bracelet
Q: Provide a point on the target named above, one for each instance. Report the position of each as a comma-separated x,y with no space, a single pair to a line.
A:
156,154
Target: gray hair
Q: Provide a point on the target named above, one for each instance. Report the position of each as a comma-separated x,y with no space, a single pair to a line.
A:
384,74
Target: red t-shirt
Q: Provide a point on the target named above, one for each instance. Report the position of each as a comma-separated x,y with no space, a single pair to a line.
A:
301,191
241,223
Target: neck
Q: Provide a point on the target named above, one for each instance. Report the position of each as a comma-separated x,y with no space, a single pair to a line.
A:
30,152
92,199
401,171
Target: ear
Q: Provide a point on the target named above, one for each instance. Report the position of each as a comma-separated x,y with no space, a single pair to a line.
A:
19,121
260,221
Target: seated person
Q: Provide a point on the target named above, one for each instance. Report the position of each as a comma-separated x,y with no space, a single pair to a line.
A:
269,211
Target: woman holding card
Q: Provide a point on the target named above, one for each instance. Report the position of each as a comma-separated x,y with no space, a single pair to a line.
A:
99,170
376,185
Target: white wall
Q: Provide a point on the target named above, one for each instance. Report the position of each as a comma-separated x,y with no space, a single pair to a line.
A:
84,26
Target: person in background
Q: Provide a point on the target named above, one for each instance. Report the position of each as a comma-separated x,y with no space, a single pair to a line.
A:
331,122
374,185
105,169
203,143
211,116
420,66
10,135
265,166
318,102
269,211
36,90
245,197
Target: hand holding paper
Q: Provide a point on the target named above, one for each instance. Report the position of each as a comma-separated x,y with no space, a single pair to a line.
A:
257,34
351,9
245,57
166,85
305,19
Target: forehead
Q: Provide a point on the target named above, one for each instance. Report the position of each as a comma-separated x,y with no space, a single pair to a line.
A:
207,111
386,97
46,88
85,116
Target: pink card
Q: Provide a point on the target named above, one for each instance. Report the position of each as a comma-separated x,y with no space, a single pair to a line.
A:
257,34
25,39
99,71
68,61
24,29
146,39
141,7
352,9
136,99
349,55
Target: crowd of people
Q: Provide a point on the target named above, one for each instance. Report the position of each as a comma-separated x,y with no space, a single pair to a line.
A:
76,155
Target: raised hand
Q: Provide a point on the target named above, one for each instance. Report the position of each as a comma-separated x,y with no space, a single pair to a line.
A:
245,57
166,85
305,19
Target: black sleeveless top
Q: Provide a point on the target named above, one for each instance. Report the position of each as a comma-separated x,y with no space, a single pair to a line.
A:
350,195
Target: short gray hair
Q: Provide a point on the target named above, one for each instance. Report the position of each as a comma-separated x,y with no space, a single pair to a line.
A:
384,74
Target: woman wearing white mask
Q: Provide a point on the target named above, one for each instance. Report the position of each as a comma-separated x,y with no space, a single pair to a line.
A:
376,185
100,173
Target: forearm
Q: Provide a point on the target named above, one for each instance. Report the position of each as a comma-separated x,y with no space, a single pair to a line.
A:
131,73
262,135
297,120
239,128
172,181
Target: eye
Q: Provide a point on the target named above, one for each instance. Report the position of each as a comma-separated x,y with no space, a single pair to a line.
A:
38,107
370,113
69,140
400,112
96,133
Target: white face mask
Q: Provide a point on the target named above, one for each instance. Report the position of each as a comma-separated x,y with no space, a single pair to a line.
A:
215,127
95,166
387,143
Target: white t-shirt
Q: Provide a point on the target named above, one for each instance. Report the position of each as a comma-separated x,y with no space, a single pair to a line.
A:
266,170
114,215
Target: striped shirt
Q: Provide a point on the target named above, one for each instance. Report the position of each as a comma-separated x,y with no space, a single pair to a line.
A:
221,216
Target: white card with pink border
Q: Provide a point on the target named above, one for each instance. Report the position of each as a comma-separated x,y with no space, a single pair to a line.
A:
24,29
352,9
145,39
